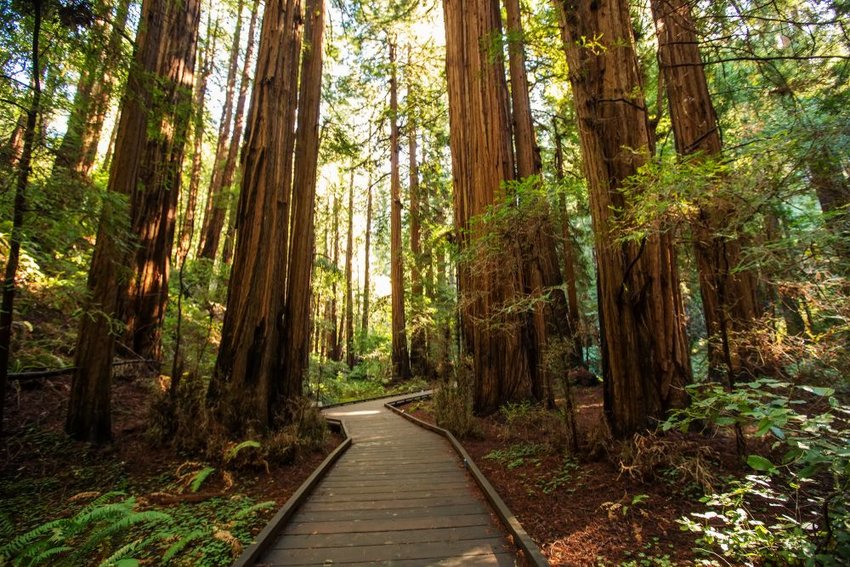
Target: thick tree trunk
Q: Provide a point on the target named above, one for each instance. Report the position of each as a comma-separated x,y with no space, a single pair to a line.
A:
296,345
418,345
156,193
187,227
551,318
89,415
728,294
400,357
246,385
216,205
24,163
77,153
349,283
482,158
644,348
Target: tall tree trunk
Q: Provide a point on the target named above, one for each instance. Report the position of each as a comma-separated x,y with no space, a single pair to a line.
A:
364,325
247,383
400,357
349,283
155,195
418,345
644,348
207,59
482,158
296,345
570,275
77,153
334,346
728,294
216,205
550,318
89,414
24,164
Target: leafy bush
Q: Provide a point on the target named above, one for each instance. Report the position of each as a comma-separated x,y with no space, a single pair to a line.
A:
453,405
807,489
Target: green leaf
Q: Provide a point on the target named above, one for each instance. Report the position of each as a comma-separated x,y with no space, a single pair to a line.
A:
128,563
722,420
759,463
817,391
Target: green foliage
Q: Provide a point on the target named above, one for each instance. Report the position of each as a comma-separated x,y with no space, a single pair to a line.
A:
517,455
809,484
453,405
564,476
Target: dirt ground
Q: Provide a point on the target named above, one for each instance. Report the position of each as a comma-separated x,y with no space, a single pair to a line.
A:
598,506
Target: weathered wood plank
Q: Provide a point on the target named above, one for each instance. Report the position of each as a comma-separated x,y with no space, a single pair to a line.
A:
385,553
495,560
402,537
355,526
389,514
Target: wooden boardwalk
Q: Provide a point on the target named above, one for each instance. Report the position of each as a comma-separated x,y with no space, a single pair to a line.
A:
398,496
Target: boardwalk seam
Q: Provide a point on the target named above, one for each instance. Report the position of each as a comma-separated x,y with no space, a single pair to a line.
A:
521,537
267,536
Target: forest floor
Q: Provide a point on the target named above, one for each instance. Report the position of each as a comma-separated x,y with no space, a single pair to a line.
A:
44,475
592,508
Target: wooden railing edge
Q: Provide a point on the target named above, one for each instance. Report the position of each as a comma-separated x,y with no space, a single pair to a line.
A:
266,537
521,538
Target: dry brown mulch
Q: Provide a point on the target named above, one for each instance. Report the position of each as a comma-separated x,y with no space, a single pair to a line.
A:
595,513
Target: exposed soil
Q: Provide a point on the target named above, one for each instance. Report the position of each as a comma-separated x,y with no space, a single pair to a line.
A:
41,470
590,508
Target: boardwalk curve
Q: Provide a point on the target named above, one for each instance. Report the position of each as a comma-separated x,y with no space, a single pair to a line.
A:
398,496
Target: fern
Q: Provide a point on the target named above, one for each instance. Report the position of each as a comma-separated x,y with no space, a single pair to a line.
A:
181,544
231,454
200,477
255,508
20,543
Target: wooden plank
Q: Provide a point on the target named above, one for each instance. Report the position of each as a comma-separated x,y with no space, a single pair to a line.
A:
359,495
353,527
394,483
401,537
305,515
317,505
386,553
495,560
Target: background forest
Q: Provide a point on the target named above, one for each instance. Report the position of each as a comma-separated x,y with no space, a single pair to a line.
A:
217,216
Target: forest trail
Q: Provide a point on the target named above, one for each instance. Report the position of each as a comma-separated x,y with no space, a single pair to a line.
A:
400,495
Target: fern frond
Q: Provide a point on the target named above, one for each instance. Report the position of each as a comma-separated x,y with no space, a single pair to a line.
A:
17,545
200,477
231,454
149,517
41,559
255,508
181,544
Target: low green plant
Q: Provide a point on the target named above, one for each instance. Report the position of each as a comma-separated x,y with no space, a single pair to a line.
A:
516,455
805,493
565,475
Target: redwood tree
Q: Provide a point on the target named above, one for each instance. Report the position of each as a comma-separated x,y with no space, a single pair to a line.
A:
645,355
89,415
155,194
400,357
728,294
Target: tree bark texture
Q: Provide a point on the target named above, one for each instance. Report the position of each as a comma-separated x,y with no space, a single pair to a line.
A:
156,192
482,158
644,348
89,415
728,294
550,318
246,385
418,340
296,345
400,356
